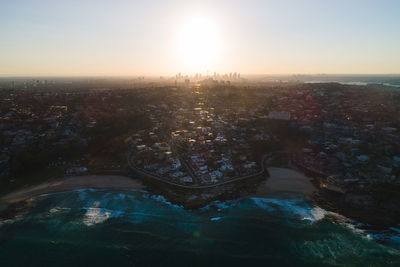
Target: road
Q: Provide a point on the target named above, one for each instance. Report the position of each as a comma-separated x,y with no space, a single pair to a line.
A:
161,179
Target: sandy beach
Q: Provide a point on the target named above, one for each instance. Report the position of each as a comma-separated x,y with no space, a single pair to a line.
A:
72,183
283,180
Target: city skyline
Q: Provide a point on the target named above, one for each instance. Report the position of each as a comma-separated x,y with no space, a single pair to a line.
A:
88,38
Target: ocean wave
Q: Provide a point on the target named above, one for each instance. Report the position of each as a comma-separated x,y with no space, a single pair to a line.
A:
132,207
7,221
310,214
160,198
219,205
390,236
297,207
58,209
95,215
98,206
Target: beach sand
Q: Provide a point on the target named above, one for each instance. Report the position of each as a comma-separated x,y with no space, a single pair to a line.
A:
73,183
283,180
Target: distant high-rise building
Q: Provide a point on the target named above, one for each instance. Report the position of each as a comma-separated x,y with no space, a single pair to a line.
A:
187,82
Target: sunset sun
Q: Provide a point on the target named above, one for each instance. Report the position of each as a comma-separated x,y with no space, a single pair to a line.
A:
199,44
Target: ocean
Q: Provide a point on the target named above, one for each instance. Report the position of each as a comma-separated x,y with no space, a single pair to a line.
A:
106,228
359,83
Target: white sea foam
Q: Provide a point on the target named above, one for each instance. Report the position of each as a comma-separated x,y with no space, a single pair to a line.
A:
296,207
58,209
95,216
215,219
161,199
308,213
7,221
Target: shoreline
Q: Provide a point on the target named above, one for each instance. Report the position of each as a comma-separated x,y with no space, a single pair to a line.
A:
106,182
281,180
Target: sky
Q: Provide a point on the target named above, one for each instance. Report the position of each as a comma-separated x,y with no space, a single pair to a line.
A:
123,38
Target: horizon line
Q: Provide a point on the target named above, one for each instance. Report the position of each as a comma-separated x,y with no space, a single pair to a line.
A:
192,74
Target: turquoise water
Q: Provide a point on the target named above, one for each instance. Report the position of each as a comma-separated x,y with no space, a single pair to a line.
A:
103,228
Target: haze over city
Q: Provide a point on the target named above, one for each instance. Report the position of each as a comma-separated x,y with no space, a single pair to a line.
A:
199,133
119,38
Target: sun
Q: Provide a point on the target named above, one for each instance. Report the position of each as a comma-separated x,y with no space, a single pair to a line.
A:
199,44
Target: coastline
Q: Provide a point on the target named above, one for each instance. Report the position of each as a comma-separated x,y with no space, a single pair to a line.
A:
73,183
281,180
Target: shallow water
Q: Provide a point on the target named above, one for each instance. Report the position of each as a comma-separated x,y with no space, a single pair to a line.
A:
88,227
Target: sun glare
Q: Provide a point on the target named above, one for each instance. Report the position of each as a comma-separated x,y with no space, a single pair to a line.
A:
199,44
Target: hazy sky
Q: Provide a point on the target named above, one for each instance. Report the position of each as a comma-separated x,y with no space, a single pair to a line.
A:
145,37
